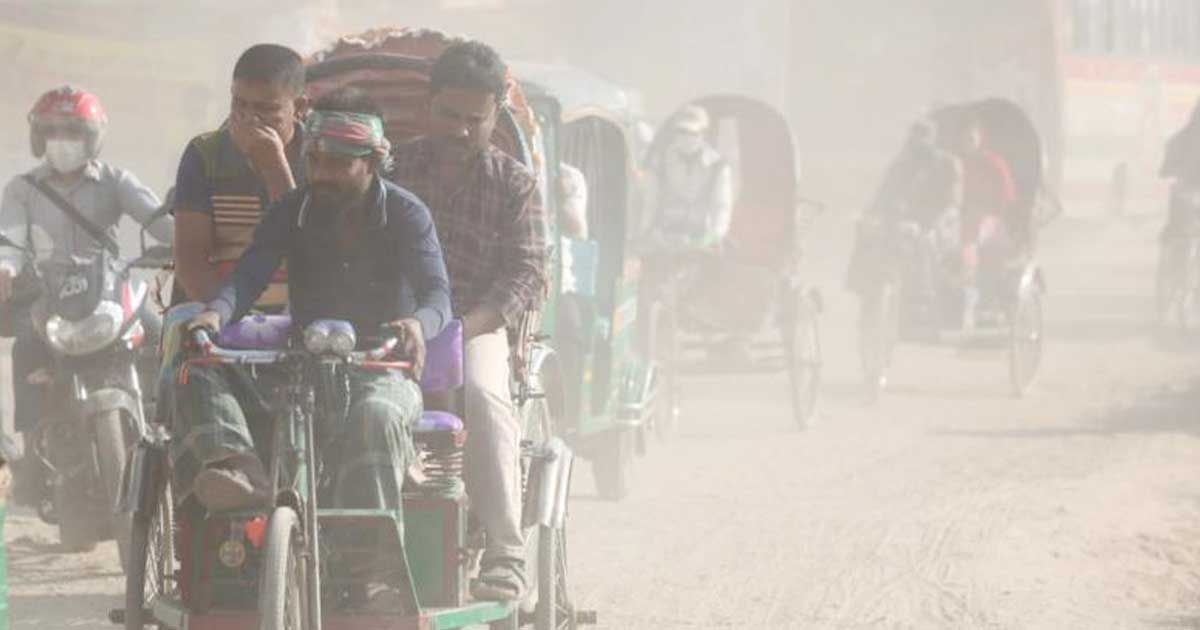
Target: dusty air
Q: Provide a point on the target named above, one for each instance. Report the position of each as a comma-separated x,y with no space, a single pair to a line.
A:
554,314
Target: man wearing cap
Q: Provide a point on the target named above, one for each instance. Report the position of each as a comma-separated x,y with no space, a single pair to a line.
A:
358,249
694,186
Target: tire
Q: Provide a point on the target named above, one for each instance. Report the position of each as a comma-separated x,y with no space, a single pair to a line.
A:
878,329
282,601
1025,341
73,510
1168,289
613,465
150,573
663,348
112,450
802,337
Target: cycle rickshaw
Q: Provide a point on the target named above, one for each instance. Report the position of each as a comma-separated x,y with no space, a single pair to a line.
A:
1009,313
752,290
297,566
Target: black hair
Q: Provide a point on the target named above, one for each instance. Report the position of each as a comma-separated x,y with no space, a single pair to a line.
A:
271,63
348,99
470,65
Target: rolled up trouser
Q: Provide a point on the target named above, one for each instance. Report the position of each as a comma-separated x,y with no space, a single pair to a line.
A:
218,411
221,411
370,453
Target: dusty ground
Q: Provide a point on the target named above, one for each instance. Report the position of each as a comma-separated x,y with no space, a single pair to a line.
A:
948,505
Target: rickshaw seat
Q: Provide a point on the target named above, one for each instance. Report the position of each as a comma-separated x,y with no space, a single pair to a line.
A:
257,332
438,422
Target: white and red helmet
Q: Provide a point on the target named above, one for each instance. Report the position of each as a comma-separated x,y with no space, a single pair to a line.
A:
67,108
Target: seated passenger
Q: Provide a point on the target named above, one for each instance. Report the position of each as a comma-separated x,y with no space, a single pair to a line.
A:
358,249
992,233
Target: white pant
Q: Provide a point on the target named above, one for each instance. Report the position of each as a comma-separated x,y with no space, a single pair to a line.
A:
493,458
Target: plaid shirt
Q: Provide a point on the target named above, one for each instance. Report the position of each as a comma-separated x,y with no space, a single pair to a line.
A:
491,225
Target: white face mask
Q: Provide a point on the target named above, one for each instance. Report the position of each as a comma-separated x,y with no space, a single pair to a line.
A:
66,156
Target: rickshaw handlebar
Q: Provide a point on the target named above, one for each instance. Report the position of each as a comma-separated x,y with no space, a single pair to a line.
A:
207,349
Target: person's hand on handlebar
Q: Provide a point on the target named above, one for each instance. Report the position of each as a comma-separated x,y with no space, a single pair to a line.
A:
412,342
209,320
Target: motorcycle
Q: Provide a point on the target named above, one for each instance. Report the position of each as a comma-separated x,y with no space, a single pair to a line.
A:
96,321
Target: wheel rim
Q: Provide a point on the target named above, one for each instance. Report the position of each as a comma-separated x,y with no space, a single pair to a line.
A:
1027,341
805,365
294,611
878,336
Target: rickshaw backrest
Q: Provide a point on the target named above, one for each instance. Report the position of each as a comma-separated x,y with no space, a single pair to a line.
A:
444,360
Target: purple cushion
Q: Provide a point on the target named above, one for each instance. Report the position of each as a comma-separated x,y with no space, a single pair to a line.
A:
444,360
257,332
434,421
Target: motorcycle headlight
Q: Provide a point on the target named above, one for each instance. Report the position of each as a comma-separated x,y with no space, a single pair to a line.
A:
330,337
88,334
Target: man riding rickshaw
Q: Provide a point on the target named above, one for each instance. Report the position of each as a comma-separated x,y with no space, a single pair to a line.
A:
947,245
347,507
724,229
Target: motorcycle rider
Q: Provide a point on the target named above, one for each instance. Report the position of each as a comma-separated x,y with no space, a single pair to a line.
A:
66,131
490,219
360,249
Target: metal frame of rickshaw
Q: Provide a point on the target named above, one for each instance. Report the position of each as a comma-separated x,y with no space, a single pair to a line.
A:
609,400
787,334
545,487
1016,314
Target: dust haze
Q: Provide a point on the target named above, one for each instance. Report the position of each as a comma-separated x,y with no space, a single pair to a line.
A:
946,503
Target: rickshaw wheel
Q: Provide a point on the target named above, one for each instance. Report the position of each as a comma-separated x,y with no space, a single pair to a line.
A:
151,567
546,554
1025,340
663,347
802,337
281,597
613,464
878,330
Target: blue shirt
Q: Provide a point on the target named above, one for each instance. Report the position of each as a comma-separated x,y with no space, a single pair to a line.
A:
395,270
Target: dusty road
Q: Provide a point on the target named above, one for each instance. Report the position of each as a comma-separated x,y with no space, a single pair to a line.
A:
948,505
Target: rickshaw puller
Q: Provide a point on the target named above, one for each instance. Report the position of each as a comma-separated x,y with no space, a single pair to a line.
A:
359,249
492,225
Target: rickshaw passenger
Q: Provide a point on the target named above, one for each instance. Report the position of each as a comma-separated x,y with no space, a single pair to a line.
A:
490,220
226,179
359,249
992,234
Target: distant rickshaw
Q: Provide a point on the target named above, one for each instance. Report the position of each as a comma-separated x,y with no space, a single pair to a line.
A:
750,288
1011,291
